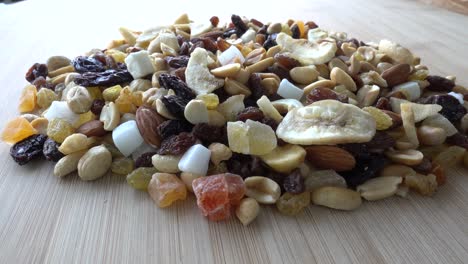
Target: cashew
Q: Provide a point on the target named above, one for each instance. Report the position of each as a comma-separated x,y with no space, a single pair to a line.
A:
305,74
407,157
262,189
247,210
75,142
219,152
197,74
68,164
339,76
95,163
396,52
110,116
322,178
337,198
285,158
379,188
196,112
166,163
431,136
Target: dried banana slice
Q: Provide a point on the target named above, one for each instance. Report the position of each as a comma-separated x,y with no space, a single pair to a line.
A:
327,122
307,52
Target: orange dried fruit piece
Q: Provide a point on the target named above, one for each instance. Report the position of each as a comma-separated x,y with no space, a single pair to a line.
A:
27,101
17,130
166,188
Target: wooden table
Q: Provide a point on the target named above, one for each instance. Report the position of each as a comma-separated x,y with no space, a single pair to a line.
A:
47,220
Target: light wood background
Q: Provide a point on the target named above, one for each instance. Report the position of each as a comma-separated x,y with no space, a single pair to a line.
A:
47,220
460,6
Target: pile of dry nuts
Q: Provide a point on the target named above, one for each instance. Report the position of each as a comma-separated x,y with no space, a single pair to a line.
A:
244,114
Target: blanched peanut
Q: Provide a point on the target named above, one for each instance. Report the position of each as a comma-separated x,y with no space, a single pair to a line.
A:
379,188
431,136
229,70
285,158
75,142
337,198
262,189
304,74
247,210
396,170
110,116
339,76
219,152
407,157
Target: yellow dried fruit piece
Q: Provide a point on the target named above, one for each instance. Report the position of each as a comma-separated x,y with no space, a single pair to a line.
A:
453,155
112,93
125,101
419,75
407,115
137,98
95,92
251,137
84,118
211,100
59,129
45,97
40,124
27,101
17,130
382,120
117,55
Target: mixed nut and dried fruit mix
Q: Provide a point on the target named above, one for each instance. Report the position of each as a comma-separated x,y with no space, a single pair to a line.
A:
244,114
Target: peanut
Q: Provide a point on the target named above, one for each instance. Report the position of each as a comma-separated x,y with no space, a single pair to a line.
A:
379,188
95,163
75,142
219,152
431,136
247,210
262,189
337,198
68,164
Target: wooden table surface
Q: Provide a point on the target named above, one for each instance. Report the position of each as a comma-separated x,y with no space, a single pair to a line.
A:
44,219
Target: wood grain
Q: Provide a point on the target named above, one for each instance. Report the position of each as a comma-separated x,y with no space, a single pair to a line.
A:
47,220
459,6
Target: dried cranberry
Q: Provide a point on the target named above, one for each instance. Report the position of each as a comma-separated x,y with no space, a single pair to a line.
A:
106,78
175,83
451,107
294,182
173,127
458,139
97,105
28,149
365,169
425,167
50,150
37,70
245,165
145,160
175,105
176,145
239,24
207,133
439,84
322,93
177,62
252,113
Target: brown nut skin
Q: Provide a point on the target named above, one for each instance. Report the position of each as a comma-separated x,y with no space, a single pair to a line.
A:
396,74
93,128
330,157
148,120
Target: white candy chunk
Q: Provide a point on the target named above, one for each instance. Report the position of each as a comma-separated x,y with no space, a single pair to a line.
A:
198,29
410,89
458,96
60,109
230,55
127,137
248,36
288,90
195,160
139,64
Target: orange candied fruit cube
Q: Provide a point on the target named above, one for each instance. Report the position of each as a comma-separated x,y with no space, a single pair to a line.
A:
17,130
27,101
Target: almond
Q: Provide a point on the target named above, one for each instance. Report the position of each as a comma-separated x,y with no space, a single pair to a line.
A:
93,128
397,74
330,157
148,120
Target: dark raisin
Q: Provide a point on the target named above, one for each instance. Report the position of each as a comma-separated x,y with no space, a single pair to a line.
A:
439,84
383,103
177,145
365,169
380,142
280,70
229,32
195,45
256,86
278,178
262,31
358,150
239,24
296,33
286,61
185,48
180,72
106,78
37,70
84,64
311,24
252,113
145,160
50,150
322,93
208,43
207,133
214,21
175,105
97,105
245,165
451,107
270,122
458,139
270,41
175,83
177,62
294,182
28,149
396,118
173,127
256,22
425,167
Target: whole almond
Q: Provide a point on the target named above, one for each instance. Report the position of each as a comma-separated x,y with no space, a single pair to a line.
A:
93,128
330,157
148,120
397,74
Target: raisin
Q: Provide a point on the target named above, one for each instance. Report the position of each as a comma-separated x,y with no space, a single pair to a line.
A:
256,22
239,24
28,149
175,83
277,177
144,160
458,139
177,62
252,113
106,78
296,33
439,84
270,122
37,70
50,150
383,104
229,32
173,127
180,72
184,48
41,82
380,142
214,21
286,61
425,167
365,169
84,64
245,165
451,107
177,145
280,70
270,41
207,133
195,45
96,106
175,105
322,93
255,86
294,182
